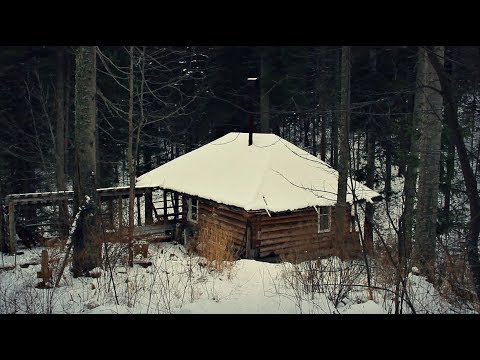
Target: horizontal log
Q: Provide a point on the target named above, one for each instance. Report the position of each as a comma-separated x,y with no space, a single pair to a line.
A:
217,219
295,239
223,212
214,227
285,234
286,219
296,249
296,243
301,245
225,219
292,226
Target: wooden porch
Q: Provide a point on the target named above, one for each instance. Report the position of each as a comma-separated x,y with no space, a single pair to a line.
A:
157,212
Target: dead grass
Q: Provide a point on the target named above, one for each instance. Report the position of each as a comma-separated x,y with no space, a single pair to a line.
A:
216,246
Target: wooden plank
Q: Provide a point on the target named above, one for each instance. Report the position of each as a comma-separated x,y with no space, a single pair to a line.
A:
298,240
232,217
292,226
286,219
39,201
110,212
224,211
120,213
322,243
212,223
289,242
231,208
223,226
139,213
148,208
297,232
165,213
296,248
11,228
225,219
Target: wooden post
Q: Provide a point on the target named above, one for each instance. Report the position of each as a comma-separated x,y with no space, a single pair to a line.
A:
45,272
11,228
110,212
165,215
120,212
175,204
139,214
148,207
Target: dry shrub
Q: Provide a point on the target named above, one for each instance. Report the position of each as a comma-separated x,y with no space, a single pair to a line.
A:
331,276
455,282
385,262
216,246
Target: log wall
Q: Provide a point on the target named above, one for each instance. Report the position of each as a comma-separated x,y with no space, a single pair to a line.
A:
292,236
212,216
295,236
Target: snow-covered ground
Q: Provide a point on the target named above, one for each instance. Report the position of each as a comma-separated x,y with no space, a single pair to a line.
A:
180,283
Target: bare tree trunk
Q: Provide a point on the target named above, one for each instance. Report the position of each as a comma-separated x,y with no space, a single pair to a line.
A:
131,166
334,142
314,136
306,127
429,169
341,206
469,178
447,191
388,171
335,121
406,228
369,208
3,247
68,89
323,137
60,140
264,88
147,156
86,254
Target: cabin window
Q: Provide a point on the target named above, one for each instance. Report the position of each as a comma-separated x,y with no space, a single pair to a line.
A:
324,219
192,214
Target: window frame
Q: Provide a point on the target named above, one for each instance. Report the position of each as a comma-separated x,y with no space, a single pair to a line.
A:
191,205
329,217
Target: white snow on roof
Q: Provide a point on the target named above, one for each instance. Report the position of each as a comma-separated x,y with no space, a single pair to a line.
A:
271,174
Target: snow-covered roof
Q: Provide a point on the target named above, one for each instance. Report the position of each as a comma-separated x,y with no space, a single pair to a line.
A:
270,174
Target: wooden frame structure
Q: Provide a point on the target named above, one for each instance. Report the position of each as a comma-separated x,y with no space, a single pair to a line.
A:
108,195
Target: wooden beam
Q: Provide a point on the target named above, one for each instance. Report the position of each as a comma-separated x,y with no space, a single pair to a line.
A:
110,213
165,215
139,214
148,207
175,204
120,212
11,228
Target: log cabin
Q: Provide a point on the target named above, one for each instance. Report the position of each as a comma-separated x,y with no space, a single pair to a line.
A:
271,197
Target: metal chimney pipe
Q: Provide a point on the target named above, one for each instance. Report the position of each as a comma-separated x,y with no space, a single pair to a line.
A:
253,81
